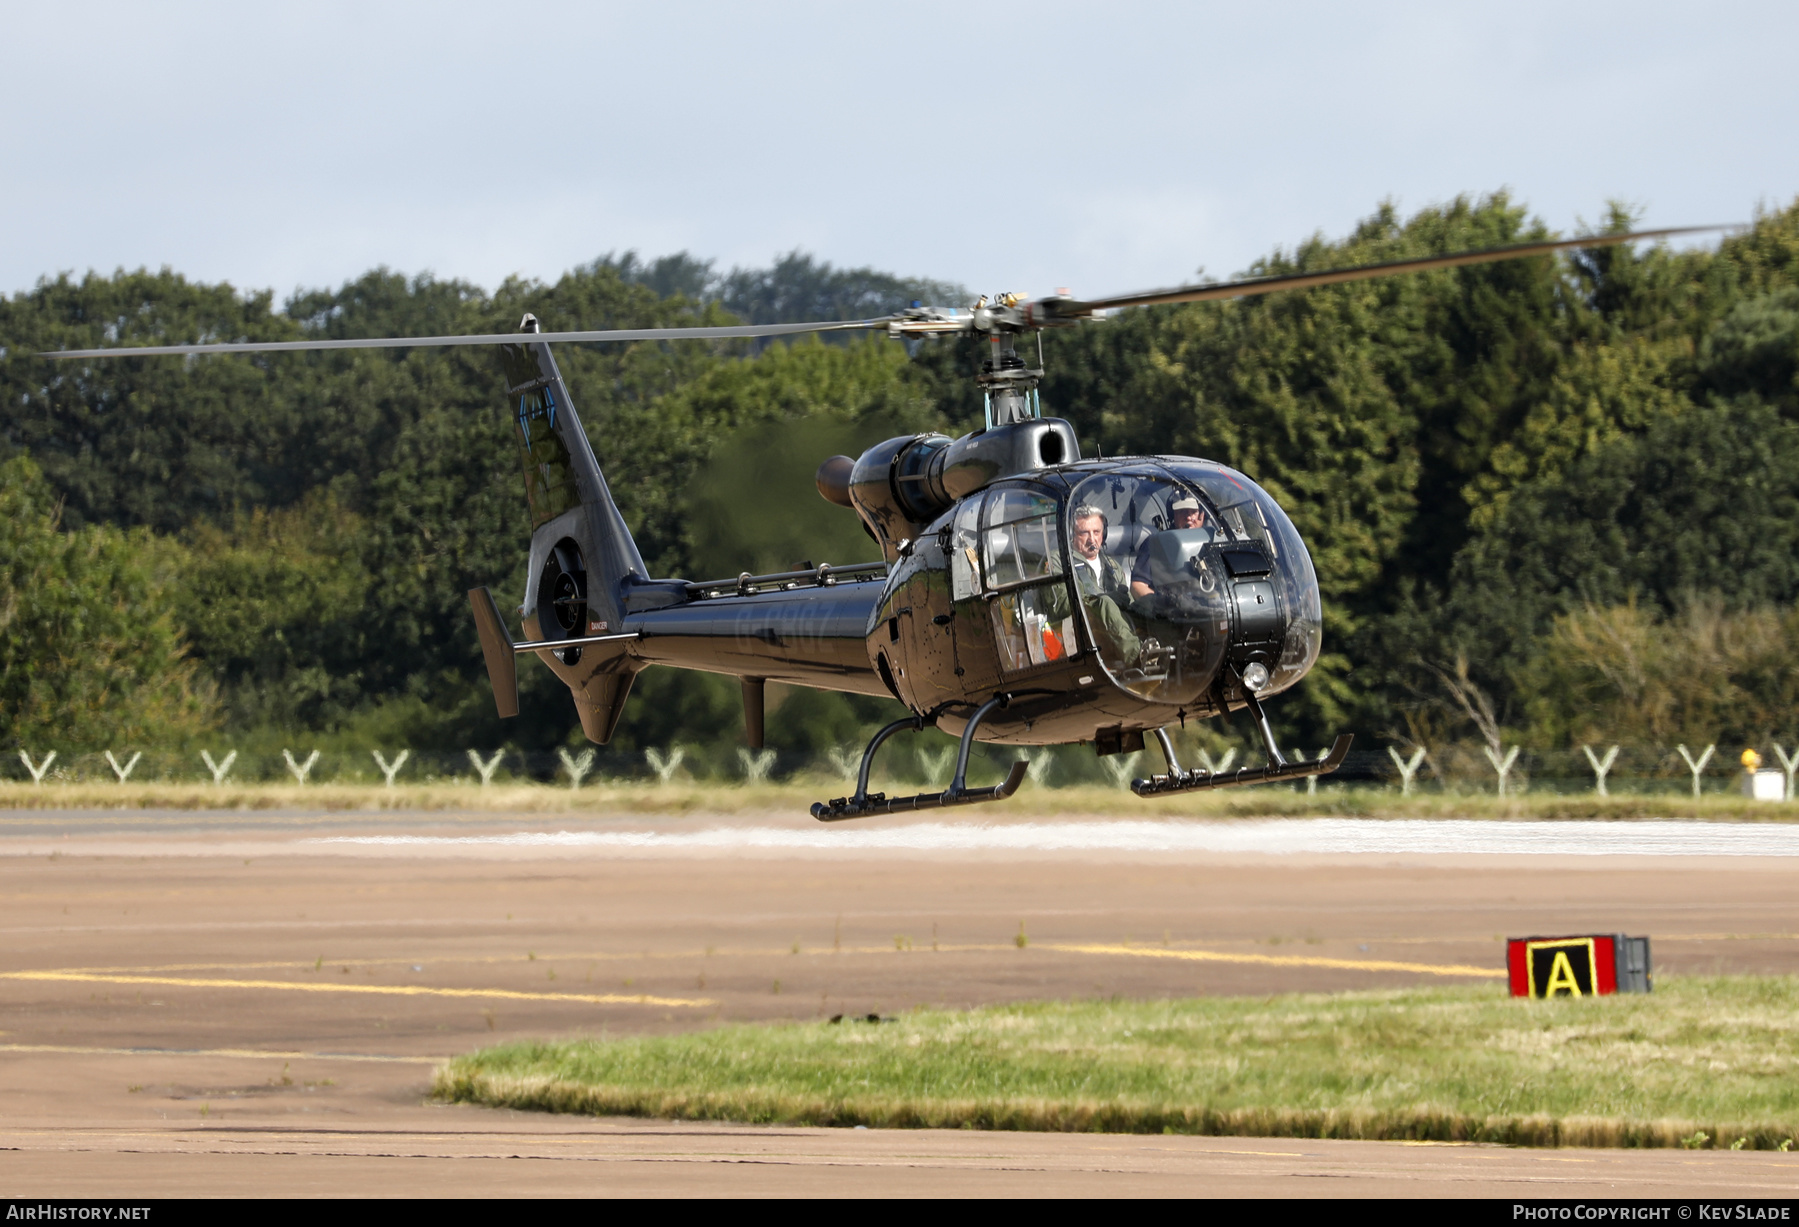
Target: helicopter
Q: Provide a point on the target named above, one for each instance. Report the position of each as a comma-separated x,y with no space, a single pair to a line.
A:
1026,594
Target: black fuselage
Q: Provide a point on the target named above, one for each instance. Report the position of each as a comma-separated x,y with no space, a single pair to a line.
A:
993,598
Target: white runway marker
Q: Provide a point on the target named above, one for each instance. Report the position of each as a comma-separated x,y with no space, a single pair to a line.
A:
1319,836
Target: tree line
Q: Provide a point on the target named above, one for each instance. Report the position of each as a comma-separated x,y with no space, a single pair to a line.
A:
1553,500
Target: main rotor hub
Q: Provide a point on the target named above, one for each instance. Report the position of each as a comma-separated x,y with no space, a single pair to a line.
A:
1008,386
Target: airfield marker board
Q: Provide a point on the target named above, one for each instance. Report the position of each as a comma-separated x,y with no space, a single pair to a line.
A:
1587,965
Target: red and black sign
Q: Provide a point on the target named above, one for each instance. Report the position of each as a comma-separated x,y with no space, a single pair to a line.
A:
1585,966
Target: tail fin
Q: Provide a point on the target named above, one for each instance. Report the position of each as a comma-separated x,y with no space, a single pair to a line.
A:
582,555
496,648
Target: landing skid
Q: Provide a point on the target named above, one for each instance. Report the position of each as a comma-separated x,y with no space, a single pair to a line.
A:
1278,768
865,804
1199,781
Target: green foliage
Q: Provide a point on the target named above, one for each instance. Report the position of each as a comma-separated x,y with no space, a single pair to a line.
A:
1478,458
410,445
263,597
1755,349
90,655
153,443
794,289
1628,673
1694,499
753,505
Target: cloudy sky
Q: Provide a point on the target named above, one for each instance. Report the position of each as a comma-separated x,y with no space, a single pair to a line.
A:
1105,147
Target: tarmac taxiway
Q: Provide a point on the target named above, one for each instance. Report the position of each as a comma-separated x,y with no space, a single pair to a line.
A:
200,1003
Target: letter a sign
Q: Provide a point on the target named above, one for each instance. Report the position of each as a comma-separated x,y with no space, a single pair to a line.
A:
1561,978
1584,966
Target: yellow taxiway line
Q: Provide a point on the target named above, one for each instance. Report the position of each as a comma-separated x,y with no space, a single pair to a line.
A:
145,976
395,990
563,959
1289,960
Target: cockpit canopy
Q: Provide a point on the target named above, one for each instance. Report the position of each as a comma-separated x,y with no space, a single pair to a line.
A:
1176,570
1204,567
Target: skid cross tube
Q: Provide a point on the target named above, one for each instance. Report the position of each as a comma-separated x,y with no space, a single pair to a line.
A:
1174,764
1265,729
959,782
862,805
1199,781
916,723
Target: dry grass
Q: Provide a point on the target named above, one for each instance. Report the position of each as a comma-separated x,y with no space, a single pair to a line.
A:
1704,1062
609,798
499,798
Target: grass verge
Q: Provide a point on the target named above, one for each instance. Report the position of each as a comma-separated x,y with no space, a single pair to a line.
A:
612,798
1703,1062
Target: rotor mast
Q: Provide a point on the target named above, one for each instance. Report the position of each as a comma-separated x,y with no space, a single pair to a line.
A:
1008,386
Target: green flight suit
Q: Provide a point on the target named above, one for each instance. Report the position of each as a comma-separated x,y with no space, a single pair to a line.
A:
1117,640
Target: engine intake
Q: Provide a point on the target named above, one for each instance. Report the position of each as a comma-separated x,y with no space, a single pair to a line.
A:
901,485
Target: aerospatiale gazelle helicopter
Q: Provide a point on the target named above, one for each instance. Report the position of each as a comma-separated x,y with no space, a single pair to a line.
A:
1026,595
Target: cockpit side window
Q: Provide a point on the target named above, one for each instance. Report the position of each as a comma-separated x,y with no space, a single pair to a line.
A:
1034,626
964,550
1005,506
1021,541
1007,547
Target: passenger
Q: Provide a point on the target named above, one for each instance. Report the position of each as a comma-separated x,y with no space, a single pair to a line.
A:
1183,513
1100,581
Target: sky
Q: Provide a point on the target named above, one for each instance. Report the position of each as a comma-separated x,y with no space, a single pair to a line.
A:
1100,147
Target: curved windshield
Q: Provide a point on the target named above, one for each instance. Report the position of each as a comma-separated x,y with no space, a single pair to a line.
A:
1249,516
1152,582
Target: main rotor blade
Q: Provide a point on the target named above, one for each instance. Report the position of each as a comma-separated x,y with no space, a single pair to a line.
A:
496,338
1062,309
1251,286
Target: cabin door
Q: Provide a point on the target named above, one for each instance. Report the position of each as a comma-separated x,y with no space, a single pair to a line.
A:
970,626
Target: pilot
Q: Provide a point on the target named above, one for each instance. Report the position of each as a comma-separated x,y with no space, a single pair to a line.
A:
1102,586
1184,512
1095,572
